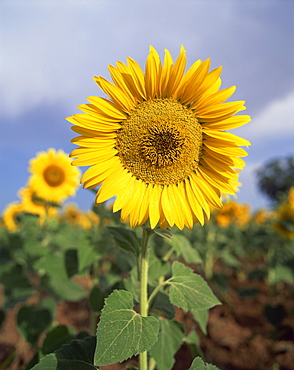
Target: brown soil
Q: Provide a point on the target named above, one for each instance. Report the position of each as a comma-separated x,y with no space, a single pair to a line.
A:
239,336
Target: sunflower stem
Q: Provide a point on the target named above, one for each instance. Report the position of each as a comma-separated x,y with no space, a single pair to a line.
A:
144,288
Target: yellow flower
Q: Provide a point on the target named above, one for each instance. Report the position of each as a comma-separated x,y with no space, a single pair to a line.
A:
233,212
37,206
291,196
262,215
10,214
158,145
285,223
53,178
85,220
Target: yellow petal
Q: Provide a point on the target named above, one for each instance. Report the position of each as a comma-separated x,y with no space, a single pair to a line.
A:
195,205
112,184
152,70
167,207
199,194
229,123
138,77
116,94
124,192
154,202
216,98
227,136
122,78
107,107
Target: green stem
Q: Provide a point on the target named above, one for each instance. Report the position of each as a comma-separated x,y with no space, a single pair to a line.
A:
152,364
168,254
156,290
144,288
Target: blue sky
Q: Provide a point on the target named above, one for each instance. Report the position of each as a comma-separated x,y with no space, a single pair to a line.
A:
51,49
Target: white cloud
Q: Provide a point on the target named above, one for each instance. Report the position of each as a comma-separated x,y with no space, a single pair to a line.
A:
276,121
51,49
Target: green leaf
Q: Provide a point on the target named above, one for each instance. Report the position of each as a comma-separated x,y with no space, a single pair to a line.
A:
188,290
198,364
184,248
125,239
201,316
132,283
86,255
157,268
78,355
55,338
280,273
164,233
96,299
122,332
32,321
162,303
192,338
65,288
194,343
169,341
71,262
229,259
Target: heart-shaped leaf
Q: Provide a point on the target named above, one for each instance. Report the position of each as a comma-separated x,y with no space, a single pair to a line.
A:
122,332
188,290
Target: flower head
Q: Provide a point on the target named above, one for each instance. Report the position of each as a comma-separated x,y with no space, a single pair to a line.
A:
158,144
285,221
53,178
10,214
233,212
74,216
37,206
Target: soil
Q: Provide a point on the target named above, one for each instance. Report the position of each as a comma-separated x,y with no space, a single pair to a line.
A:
239,337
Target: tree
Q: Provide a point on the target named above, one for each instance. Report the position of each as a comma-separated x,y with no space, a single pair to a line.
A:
276,178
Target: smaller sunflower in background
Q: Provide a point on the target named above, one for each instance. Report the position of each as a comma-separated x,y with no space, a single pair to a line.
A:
285,217
9,216
74,216
233,212
36,206
53,177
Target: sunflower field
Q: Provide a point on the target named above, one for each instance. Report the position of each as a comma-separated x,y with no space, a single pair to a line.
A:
167,270
59,263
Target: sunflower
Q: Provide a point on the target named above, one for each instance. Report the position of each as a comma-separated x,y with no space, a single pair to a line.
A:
53,178
233,212
158,143
10,214
75,217
285,221
37,206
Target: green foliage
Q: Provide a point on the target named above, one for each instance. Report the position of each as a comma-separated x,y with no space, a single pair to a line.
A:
78,355
198,364
122,332
184,248
170,338
188,290
162,303
49,261
126,239
201,316
32,321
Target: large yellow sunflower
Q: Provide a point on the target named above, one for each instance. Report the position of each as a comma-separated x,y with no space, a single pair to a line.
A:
53,177
158,144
